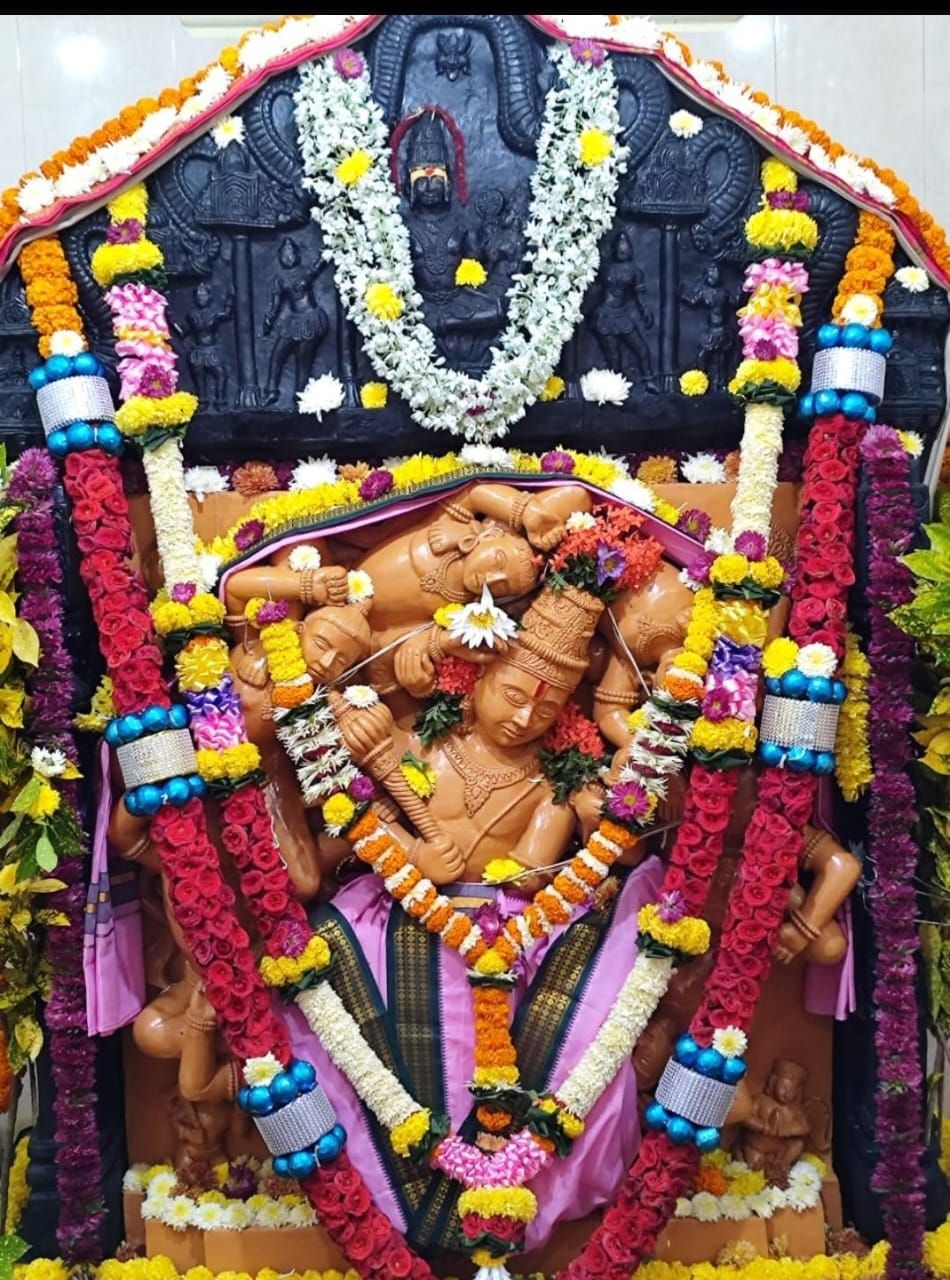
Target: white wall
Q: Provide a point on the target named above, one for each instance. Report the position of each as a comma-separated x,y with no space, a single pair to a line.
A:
879,85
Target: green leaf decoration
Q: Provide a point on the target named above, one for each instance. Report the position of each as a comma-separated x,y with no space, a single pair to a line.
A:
45,854
12,1249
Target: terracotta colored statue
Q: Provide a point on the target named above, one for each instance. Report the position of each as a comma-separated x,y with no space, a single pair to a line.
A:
783,1123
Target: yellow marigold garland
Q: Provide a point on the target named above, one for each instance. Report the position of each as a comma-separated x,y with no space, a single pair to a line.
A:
287,971
852,753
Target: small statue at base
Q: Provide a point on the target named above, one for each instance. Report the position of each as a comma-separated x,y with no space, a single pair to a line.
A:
783,1123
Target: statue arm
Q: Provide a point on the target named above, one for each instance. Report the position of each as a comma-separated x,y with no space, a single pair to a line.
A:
202,1076
547,835
614,698
276,297
811,925
541,516
278,582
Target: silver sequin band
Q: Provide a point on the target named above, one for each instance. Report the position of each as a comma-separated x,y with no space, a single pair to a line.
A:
698,1099
849,369
790,723
157,757
298,1125
81,399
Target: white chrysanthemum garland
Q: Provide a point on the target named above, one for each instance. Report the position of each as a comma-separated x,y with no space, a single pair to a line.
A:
747,1195
167,1202
357,206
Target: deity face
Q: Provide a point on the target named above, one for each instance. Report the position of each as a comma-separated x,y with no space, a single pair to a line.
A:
328,650
202,295
430,190
785,1086
513,707
288,255
502,561
623,249
712,275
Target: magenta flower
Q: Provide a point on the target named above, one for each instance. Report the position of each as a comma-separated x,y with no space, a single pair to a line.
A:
348,63
699,567
376,484
773,271
156,382
717,705
694,522
801,201
589,52
628,801
558,461
611,564
488,919
764,349
250,532
752,545
671,907
183,592
781,199
128,232
362,789
271,612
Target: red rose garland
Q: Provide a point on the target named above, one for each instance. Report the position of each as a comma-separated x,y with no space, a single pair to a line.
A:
769,866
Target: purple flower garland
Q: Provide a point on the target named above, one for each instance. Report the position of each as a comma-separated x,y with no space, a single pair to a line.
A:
72,1052
899,1176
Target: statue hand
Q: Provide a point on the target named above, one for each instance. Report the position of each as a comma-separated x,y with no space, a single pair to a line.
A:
413,666
329,585
544,518
200,1008
587,804
445,535
791,942
363,729
439,859
454,647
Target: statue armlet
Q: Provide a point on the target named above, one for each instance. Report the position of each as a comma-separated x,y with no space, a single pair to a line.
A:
614,697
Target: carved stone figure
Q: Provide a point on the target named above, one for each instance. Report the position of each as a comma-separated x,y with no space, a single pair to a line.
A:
296,319
620,316
205,361
453,50
782,1123
719,303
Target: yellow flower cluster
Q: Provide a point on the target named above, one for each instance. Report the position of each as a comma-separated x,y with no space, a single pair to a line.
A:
782,229
748,1183
742,621
501,869
18,1191
776,175
203,609
842,1266
113,260
353,167
411,1131
594,146
554,388
373,395
419,775
694,383
101,709
852,754
285,660
445,613
202,664
751,374
666,511
775,300
700,633
690,935
732,569
490,964
285,971
383,301
723,735
229,762
162,1268
937,1250
517,1203
492,1077
45,802
140,413
470,272
780,656
339,810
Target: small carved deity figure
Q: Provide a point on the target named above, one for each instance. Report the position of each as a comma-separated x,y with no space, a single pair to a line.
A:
452,54
783,1123
296,319
619,316
208,368
718,303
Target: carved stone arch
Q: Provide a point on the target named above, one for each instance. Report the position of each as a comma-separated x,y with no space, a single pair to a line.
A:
729,160
276,153
652,97
837,222
79,243
519,97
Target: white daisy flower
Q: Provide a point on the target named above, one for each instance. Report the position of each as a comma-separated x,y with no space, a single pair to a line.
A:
163,1184
36,195
66,343
237,1215
733,1208
321,395
804,1174
730,1042
361,695
77,179
259,1071
209,566
703,468
178,1214
579,520
762,1203
49,763
301,1215
685,124
634,491
817,660
204,480
482,622
801,1198
132,1178
156,1208
913,279
359,586
860,308
912,442
210,1217
304,557
604,386
705,1207
314,472
684,1207
719,541
228,130
272,1214
119,157
488,456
